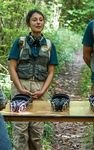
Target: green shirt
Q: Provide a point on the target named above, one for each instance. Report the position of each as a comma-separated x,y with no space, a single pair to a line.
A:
88,35
15,53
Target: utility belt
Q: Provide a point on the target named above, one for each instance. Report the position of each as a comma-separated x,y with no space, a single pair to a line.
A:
33,78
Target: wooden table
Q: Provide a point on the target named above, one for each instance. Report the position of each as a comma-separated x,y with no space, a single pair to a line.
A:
79,111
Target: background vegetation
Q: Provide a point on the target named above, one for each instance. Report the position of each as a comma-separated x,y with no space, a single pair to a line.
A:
65,24
71,14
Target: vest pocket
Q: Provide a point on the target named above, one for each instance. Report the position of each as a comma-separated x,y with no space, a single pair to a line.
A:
41,73
25,70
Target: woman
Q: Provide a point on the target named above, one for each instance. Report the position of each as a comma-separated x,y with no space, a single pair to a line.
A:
32,60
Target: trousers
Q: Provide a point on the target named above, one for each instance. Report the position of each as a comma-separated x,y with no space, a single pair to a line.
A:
28,135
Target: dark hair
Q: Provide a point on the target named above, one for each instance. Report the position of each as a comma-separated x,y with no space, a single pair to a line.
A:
30,13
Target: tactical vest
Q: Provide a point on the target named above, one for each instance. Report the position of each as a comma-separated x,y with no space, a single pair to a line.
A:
34,68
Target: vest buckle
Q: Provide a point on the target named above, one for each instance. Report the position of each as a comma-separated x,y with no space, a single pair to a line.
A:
33,78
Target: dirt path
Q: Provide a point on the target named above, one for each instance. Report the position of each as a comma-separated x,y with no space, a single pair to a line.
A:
68,80
68,135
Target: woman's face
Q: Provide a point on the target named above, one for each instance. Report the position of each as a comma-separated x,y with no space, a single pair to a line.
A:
36,23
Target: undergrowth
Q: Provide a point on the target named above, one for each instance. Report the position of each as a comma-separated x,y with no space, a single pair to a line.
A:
85,81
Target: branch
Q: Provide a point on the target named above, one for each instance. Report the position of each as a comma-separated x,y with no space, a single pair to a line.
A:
2,67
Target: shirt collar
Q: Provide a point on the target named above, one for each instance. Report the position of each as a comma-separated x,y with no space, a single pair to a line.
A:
31,39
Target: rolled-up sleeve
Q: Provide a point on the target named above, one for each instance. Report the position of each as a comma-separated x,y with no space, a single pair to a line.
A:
14,51
88,35
53,56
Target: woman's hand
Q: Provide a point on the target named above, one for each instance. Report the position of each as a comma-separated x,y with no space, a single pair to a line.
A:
46,84
37,94
24,90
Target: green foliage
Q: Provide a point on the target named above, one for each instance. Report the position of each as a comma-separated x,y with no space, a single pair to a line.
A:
76,14
89,136
48,135
66,42
12,23
5,83
46,144
48,131
85,82
9,128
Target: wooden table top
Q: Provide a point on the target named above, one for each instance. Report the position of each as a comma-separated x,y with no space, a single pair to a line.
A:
42,111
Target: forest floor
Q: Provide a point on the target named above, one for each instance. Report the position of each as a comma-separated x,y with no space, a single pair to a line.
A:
72,135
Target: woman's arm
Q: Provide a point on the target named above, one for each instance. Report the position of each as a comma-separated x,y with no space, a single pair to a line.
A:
87,54
49,78
46,84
